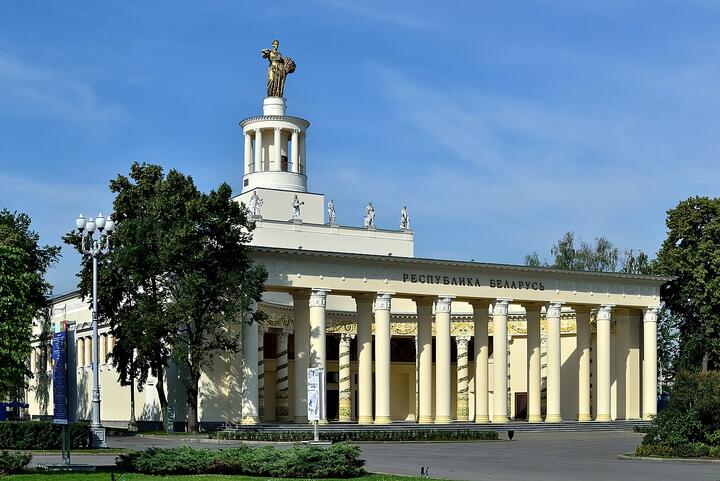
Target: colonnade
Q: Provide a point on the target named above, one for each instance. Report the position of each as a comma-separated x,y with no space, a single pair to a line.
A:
310,351
292,140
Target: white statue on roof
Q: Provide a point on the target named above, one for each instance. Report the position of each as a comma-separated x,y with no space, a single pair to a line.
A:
369,219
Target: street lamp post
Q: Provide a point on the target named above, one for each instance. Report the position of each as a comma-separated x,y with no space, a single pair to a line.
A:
95,248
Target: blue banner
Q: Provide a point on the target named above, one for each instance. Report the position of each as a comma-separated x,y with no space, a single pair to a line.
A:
60,387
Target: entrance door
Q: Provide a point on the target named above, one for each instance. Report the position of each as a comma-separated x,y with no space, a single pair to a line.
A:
521,406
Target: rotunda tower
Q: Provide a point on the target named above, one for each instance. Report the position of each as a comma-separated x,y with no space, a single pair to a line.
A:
275,149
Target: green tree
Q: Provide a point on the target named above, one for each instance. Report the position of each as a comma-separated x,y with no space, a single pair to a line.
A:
691,252
178,278
23,288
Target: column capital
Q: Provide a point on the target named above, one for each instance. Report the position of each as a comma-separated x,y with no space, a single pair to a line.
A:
443,303
383,300
258,130
604,313
501,306
462,341
277,129
345,338
554,309
318,297
650,313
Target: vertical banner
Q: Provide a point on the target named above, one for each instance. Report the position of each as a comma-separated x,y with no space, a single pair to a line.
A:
59,374
316,393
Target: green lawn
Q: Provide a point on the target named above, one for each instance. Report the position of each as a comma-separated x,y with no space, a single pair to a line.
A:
105,476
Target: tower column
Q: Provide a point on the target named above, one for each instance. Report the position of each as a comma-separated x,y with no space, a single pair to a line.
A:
302,352
382,358
582,323
318,324
649,392
463,406
281,377
442,360
276,151
345,394
250,396
554,362
247,161
534,382
424,349
364,354
480,321
500,368
303,160
603,363
295,151
258,150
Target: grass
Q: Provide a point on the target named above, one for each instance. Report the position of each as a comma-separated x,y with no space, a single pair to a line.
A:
105,476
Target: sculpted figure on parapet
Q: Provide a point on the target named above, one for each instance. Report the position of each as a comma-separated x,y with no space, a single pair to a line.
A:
369,219
331,211
278,69
404,218
255,203
296,207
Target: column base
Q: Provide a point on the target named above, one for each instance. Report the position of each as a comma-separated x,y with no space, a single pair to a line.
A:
482,419
602,417
424,419
534,418
365,420
500,419
344,420
584,417
553,418
300,420
323,422
462,418
250,420
443,420
383,420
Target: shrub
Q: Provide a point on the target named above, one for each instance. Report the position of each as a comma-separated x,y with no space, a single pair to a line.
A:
365,435
337,461
13,462
689,426
41,435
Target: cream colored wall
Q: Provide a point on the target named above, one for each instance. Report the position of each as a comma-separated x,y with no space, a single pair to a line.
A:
277,205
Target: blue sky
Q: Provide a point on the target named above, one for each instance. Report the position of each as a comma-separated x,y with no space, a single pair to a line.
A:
501,125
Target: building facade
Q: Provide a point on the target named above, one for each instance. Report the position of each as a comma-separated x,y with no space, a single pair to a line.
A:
400,338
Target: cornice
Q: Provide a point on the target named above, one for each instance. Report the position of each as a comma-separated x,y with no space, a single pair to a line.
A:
282,118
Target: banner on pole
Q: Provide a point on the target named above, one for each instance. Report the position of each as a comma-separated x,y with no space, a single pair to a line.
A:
316,393
59,374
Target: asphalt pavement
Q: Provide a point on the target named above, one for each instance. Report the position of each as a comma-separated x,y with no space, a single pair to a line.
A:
585,456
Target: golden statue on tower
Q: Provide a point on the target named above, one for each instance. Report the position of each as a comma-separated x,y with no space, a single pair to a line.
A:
278,69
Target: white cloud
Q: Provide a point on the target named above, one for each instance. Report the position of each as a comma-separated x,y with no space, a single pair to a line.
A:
29,90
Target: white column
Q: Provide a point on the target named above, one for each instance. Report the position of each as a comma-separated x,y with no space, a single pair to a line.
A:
276,151
345,394
649,396
281,377
295,151
534,383
250,396
88,353
302,353
303,160
463,405
443,389
603,363
425,363
382,358
582,323
554,362
247,165
80,353
318,325
480,321
261,370
500,368
365,356
258,150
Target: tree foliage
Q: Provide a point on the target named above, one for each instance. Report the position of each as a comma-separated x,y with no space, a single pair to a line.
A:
23,291
177,279
691,252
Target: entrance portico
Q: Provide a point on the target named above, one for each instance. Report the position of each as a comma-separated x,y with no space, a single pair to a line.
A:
435,300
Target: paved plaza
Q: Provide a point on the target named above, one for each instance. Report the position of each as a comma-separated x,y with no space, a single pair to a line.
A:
529,457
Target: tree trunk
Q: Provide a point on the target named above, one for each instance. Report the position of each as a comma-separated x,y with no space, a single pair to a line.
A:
705,362
160,387
192,402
